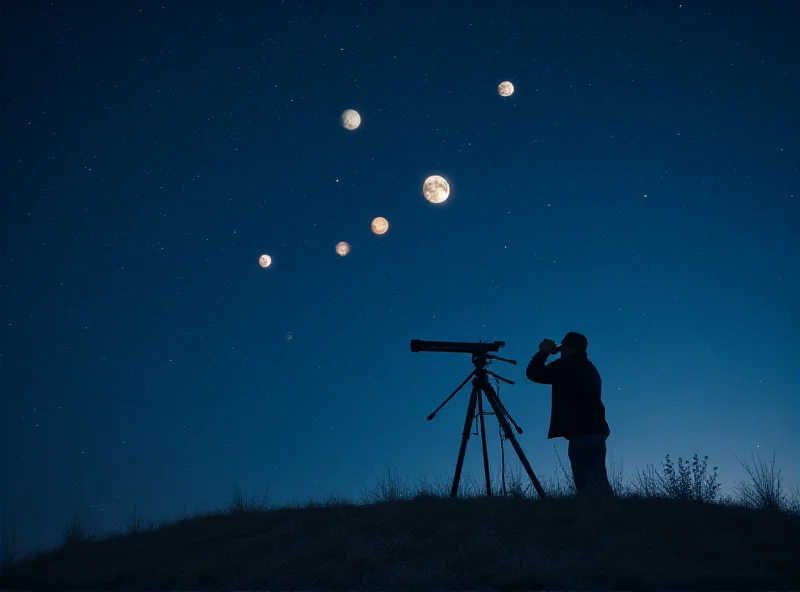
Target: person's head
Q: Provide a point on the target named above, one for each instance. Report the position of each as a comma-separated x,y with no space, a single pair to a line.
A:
573,343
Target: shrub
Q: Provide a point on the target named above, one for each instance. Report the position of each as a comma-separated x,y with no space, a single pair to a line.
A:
684,480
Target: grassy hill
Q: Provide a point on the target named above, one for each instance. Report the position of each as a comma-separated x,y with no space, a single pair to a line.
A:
667,529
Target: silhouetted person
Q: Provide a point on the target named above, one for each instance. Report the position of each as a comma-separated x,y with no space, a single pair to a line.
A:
577,412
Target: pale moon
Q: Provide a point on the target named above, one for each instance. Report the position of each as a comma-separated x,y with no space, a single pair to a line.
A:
342,248
436,189
505,89
265,261
350,119
380,225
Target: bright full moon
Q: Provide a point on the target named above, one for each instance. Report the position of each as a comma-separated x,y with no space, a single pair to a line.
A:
380,225
505,89
350,119
436,189
265,261
342,248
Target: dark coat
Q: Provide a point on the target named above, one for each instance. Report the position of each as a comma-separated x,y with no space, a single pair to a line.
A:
576,408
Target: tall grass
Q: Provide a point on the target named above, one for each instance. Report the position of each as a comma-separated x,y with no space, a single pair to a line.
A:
75,532
9,548
765,488
242,504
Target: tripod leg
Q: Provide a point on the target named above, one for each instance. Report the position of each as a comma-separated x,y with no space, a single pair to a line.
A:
491,395
464,437
483,442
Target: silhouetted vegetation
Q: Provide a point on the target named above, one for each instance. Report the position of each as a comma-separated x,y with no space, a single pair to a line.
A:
668,527
8,549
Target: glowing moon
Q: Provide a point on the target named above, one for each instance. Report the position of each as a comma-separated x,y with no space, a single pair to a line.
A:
342,248
265,261
350,119
436,189
380,225
505,89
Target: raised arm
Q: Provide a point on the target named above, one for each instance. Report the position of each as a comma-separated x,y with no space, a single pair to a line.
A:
539,373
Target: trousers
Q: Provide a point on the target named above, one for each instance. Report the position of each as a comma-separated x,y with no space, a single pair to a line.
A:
587,455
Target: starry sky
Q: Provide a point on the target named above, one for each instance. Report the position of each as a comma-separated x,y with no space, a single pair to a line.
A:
640,186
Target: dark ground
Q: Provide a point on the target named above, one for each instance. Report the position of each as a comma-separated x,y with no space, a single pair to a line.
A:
436,544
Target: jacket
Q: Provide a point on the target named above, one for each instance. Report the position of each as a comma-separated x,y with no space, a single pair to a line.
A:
576,405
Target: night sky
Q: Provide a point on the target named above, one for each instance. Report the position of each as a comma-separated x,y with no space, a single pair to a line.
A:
640,186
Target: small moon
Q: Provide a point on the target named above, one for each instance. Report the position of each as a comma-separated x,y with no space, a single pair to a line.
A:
436,189
505,89
265,261
350,119
380,225
342,248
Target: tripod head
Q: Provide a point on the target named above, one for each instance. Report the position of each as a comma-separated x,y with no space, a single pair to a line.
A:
480,359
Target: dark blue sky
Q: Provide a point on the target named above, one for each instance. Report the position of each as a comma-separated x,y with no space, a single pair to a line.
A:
641,186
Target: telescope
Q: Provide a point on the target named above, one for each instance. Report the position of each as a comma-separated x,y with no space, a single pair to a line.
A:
456,347
481,387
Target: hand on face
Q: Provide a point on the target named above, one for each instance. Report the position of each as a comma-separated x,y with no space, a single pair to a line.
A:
548,346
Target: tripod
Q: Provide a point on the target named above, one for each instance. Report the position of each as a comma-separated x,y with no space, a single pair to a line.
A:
480,387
